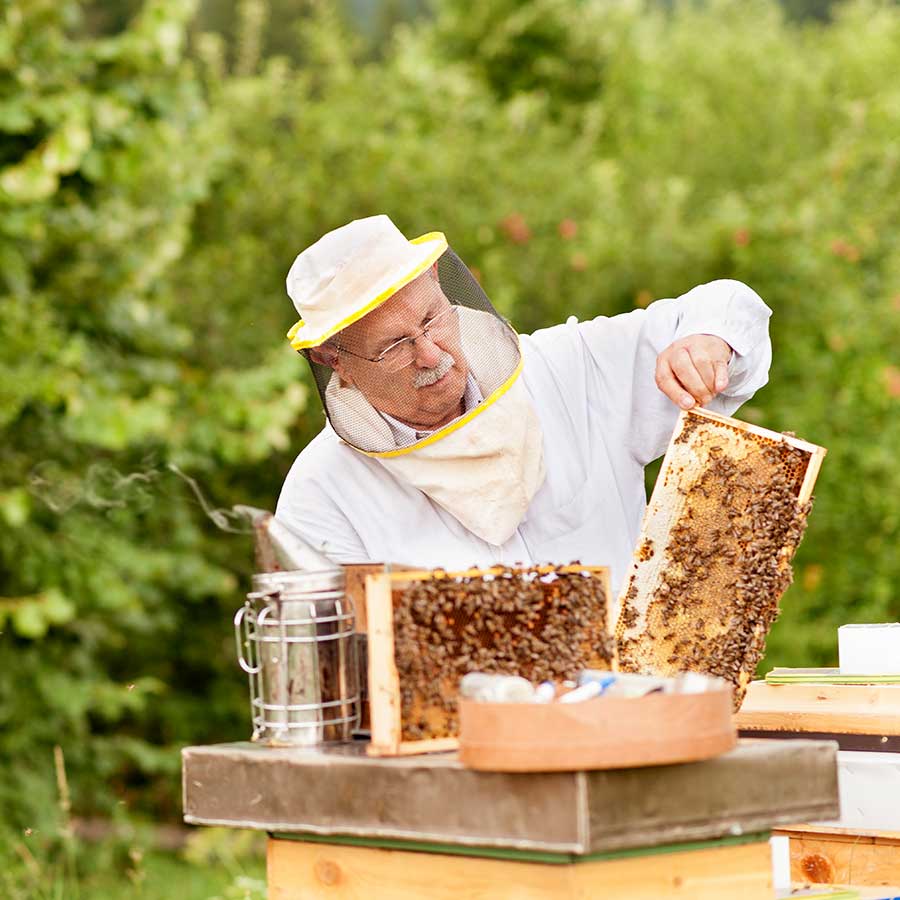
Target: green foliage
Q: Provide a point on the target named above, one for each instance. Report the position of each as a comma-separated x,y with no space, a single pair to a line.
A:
583,158
555,47
115,597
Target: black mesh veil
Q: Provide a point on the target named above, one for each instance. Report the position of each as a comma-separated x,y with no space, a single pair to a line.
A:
433,352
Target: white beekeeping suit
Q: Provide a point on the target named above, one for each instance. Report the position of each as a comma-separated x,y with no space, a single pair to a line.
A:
598,419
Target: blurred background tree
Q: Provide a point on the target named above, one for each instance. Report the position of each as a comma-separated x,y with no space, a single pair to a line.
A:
160,167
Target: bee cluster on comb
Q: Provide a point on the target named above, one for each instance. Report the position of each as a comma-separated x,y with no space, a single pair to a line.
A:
544,626
714,558
544,623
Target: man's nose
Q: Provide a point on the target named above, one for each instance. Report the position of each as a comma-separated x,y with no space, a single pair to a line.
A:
427,352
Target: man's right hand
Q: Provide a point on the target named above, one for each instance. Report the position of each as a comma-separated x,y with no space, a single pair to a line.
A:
693,369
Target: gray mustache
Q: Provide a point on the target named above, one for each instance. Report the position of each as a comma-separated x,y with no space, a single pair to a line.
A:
426,377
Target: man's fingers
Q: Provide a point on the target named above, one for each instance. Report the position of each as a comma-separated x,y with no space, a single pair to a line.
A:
687,374
692,370
706,369
721,375
670,385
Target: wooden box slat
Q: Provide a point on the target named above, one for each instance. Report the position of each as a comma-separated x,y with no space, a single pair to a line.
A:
830,855
840,708
304,871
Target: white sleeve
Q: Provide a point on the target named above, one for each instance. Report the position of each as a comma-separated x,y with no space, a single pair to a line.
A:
616,359
307,508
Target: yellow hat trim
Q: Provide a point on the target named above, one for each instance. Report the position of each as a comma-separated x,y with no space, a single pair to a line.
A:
299,344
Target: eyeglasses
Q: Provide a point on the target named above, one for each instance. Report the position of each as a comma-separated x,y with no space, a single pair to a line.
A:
402,353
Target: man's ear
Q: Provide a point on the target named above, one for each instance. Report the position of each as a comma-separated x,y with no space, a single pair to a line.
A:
324,355
328,355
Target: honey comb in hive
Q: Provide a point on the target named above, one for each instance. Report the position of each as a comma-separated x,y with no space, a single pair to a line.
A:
714,555
428,629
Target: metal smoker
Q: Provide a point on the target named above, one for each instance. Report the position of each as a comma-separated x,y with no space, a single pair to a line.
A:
296,642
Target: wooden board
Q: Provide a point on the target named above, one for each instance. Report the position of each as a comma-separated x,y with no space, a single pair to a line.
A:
307,871
803,890
842,708
441,625
713,558
825,855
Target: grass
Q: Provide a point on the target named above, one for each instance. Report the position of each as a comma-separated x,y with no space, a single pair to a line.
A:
113,871
128,861
156,875
57,864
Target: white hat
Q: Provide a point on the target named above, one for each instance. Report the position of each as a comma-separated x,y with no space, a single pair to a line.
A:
350,271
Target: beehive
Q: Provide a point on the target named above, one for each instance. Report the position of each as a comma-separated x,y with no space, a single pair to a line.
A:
714,556
428,629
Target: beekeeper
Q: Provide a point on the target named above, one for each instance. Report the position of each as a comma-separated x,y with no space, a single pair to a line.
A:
453,441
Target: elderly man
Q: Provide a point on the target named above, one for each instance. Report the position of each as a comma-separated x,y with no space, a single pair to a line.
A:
453,441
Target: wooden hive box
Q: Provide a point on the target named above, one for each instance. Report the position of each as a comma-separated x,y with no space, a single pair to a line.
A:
427,629
714,556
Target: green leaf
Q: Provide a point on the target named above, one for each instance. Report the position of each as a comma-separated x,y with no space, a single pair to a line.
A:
29,619
15,506
57,608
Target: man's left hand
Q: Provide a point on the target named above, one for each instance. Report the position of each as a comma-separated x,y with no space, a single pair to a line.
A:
693,369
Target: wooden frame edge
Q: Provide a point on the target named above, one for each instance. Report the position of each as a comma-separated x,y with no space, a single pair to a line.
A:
384,682
414,748
758,430
812,473
428,745
429,574
611,605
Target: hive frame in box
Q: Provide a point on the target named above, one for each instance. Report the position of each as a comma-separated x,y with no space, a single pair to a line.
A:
383,677
356,575
668,505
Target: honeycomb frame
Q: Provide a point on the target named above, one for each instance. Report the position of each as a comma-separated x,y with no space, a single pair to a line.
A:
388,604
714,554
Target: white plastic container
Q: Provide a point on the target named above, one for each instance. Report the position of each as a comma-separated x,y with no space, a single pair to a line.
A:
869,649
869,785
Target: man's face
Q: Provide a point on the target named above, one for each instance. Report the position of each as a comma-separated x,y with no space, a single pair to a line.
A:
427,391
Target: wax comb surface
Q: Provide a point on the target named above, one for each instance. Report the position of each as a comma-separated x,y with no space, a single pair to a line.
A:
544,623
714,555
